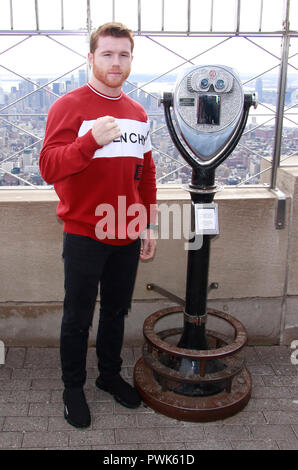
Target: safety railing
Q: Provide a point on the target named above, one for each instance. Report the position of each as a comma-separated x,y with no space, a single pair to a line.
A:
176,34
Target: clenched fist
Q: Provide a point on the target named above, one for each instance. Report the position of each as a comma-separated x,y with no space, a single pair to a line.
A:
105,130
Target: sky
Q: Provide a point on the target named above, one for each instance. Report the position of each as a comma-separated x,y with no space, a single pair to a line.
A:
42,56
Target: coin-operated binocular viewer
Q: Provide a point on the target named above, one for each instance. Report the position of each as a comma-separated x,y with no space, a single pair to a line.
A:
200,377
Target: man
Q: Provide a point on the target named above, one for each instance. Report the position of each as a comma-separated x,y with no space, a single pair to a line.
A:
97,154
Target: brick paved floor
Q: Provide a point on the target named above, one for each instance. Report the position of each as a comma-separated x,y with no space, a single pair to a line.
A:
31,411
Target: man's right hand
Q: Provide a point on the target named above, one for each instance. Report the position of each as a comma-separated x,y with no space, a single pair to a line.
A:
105,130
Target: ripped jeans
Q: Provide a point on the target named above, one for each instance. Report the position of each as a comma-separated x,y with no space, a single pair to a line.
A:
88,263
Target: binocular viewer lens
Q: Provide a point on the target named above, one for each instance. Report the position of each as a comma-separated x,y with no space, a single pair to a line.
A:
204,83
210,79
219,85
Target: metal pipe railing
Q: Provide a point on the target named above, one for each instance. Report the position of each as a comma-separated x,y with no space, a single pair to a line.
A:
281,95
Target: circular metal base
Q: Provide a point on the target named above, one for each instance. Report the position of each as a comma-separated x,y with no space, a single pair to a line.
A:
195,409
180,392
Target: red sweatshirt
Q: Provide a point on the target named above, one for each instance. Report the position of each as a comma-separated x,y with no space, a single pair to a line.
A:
105,192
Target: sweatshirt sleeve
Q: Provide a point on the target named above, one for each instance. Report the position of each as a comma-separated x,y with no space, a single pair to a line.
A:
147,188
64,153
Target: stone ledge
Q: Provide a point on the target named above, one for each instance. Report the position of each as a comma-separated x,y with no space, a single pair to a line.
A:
38,324
164,192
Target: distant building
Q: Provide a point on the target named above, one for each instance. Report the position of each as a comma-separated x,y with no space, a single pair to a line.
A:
27,158
58,88
294,96
82,77
259,89
2,97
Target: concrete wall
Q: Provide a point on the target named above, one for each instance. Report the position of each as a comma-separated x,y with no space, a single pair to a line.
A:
254,264
288,182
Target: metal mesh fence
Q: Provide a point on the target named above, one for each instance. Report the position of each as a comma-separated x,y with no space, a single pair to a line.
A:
43,50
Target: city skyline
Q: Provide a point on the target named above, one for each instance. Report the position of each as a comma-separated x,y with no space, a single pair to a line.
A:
26,132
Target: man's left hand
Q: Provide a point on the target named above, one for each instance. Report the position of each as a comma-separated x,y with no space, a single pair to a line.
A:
148,245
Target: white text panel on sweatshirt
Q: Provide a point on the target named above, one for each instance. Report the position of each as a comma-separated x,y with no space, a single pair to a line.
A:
134,140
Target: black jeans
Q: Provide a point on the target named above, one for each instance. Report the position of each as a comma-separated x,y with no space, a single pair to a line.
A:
88,262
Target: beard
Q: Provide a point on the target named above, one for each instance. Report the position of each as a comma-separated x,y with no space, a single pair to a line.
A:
106,77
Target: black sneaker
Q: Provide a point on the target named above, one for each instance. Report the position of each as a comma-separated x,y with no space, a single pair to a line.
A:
76,410
122,391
